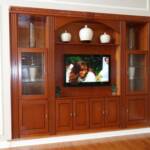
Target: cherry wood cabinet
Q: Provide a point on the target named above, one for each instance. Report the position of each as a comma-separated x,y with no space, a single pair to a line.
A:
33,117
64,114
112,111
80,114
72,114
104,112
42,104
137,56
137,110
30,81
97,112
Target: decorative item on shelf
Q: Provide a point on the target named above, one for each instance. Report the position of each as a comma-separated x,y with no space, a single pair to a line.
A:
131,72
105,38
86,34
114,89
131,75
33,73
31,35
131,38
32,70
25,74
65,36
58,91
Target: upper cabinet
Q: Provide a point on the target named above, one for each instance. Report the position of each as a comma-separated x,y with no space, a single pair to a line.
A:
30,77
137,57
137,36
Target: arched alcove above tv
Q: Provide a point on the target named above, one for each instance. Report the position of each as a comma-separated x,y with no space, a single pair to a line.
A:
99,27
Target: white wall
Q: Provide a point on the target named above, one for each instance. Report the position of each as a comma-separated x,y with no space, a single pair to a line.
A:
5,102
131,7
1,122
134,7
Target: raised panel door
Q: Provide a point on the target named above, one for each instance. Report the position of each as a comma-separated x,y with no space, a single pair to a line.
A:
33,117
137,110
80,114
96,113
112,111
64,115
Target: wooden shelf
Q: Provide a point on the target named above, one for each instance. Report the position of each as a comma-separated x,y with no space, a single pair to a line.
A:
31,49
86,44
85,97
137,51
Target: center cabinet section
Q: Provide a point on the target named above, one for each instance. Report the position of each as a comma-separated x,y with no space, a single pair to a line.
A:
93,52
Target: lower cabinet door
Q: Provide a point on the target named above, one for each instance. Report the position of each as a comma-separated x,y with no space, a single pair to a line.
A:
112,111
33,117
137,112
97,113
64,115
80,114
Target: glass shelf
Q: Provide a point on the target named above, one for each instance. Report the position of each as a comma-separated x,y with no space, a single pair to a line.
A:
86,43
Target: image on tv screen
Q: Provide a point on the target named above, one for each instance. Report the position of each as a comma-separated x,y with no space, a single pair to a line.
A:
87,69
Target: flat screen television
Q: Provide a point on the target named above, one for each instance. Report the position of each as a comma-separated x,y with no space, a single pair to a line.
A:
87,70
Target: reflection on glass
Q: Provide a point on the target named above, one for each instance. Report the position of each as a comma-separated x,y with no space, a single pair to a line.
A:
131,38
32,34
31,31
136,72
32,73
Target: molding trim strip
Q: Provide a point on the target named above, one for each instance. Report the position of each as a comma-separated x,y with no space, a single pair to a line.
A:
95,5
71,138
1,104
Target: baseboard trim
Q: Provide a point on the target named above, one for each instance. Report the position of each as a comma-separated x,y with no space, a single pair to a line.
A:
71,138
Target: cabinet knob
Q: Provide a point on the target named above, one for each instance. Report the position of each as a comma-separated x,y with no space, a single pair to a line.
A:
74,114
70,114
103,112
46,116
127,110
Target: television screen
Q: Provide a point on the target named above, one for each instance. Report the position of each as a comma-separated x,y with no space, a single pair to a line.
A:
86,70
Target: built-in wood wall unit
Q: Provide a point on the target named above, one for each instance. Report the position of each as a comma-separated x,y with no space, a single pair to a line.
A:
42,104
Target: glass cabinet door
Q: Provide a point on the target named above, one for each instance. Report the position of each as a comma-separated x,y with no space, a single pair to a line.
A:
136,72
31,31
32,73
